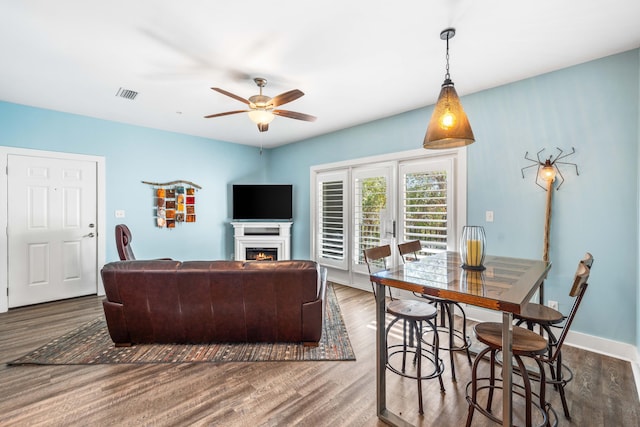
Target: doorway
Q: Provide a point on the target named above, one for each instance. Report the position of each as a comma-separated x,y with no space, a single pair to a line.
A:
53,215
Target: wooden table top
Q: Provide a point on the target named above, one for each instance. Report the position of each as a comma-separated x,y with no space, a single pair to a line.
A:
506,284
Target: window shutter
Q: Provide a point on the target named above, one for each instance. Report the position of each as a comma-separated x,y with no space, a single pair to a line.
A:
426,206
331,215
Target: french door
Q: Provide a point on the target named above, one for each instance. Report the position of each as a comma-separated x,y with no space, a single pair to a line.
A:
368,204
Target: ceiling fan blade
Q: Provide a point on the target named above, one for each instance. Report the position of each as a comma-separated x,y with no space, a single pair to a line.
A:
283,98
234,96
226,114
294,115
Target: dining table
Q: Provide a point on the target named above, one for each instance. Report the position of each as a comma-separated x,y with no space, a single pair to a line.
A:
505,284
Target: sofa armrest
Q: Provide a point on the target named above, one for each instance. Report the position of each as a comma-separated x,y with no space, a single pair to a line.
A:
116,323
313,313
322,285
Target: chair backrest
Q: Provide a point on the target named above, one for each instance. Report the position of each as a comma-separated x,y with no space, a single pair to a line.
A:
123,243
376,260
409,250
578,289
578,284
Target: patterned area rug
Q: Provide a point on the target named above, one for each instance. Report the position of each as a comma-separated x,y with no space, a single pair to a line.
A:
91,344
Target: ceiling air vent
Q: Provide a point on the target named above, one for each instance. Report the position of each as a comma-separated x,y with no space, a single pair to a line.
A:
126,93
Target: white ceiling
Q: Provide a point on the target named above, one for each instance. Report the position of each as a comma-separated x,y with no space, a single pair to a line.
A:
355,60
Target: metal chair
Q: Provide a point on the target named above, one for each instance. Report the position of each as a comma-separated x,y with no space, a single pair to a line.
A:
525,343
549,319
413,313
409,252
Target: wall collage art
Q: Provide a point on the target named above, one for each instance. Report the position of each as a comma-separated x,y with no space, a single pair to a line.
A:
175,204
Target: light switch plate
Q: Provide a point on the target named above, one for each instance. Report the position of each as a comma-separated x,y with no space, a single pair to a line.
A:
119,214
488,216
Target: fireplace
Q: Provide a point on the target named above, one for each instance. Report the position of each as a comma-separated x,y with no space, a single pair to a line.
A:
262,240
261,254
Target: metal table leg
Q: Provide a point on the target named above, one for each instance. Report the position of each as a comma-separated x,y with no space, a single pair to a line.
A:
383,413
507,368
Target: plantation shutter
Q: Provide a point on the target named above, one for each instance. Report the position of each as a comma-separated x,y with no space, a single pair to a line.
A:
331,213
426,207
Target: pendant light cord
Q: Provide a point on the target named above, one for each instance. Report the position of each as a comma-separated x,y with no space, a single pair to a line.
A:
447,76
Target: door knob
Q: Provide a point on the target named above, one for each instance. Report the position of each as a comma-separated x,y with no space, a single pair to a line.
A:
89,235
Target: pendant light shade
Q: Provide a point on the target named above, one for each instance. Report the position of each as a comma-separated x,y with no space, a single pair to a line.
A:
449,126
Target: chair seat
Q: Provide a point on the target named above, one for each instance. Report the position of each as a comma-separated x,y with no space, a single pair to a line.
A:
540,314
412,310
525,342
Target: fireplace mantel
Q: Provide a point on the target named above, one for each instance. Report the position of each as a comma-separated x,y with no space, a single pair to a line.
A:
249,234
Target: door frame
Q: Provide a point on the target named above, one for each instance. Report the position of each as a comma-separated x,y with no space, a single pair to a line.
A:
4,206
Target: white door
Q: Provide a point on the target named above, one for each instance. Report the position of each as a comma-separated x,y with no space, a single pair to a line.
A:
51,229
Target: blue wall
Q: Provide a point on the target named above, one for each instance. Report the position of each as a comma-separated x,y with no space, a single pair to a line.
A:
134,154
593,107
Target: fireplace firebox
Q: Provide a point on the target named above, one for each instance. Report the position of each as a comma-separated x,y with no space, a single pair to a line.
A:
261,254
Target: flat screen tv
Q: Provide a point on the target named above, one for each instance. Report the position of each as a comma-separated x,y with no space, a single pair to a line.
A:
263,202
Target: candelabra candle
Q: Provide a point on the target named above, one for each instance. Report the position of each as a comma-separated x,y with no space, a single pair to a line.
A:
472,247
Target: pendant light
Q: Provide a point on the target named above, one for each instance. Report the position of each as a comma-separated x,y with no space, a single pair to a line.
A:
449,126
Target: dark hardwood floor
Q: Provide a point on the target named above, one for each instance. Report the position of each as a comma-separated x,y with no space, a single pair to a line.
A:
602,393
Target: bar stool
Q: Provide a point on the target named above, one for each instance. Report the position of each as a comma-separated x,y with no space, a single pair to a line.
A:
548,319
409,252
413,313
525,343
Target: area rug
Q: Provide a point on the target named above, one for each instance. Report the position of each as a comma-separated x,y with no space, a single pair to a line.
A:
91,344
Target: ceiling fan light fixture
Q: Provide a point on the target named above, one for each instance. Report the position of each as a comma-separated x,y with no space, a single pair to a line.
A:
449,126
261,117
263,109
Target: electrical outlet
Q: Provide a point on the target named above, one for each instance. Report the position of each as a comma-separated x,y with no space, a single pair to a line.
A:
552,304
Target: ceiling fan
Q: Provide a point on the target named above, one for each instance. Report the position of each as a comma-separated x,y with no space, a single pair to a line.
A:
262,109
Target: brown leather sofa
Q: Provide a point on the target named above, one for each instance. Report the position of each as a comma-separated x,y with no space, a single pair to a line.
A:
164,301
